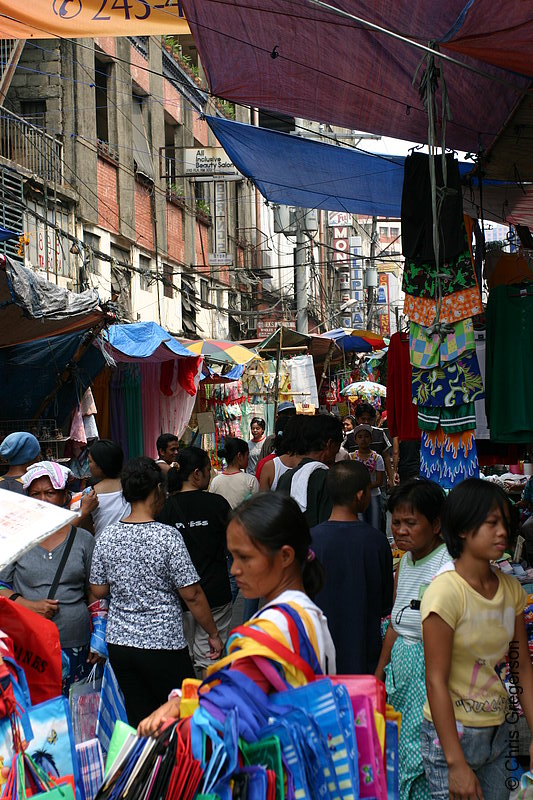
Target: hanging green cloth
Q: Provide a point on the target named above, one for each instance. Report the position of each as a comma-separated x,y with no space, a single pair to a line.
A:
133,410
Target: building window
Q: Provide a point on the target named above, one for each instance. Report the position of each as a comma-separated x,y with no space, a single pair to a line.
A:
121,281
384,233
142,151
92,259
394,232
168,281
101,82
204,291
146,274
34,111
188,306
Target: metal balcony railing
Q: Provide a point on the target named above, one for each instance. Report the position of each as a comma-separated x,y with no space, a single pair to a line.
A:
30,147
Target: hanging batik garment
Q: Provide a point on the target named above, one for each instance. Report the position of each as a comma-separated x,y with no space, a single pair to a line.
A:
451,384
448,458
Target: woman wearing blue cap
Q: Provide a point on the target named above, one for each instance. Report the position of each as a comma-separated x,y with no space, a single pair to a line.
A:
20,450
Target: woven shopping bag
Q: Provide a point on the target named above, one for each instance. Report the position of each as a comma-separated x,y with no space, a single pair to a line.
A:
110,709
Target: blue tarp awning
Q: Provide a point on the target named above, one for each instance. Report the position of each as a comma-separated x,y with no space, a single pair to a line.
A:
6,234
293,171
298,172
30,372
144,340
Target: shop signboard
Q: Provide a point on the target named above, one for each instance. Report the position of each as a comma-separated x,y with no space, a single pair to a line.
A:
382,301
198,161
266,327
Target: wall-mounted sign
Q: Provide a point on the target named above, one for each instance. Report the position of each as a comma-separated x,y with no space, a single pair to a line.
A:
207,161
220,260
266,327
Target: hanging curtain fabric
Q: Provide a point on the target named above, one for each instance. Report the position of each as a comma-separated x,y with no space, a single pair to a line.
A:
116,415
101,391
151,423
133,410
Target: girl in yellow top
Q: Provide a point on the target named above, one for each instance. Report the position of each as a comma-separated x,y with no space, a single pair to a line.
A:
472,616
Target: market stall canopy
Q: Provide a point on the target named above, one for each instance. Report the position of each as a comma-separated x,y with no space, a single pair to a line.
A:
58,367
312,62
356,341
288,339
221,352
364,389
210,376
144,340
33,308
346,179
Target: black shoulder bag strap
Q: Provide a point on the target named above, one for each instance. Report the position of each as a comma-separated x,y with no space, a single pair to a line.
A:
61,566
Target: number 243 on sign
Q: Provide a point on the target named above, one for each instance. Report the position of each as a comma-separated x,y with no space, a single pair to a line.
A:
137,9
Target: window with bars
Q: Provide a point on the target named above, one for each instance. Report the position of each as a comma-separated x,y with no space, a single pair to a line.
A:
145,279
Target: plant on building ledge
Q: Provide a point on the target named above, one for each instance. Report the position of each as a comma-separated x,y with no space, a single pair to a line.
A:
202,209
174,47
226,108
176,192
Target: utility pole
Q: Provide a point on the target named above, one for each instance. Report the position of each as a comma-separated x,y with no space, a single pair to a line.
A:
300,272
373,247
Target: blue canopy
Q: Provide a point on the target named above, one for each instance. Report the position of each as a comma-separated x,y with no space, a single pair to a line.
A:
298,172
30,372
144,340
6,234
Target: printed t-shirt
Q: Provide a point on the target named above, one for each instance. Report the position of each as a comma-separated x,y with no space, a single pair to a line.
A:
144,563
482,631
235,487
357,592
201,519
374,464
413,580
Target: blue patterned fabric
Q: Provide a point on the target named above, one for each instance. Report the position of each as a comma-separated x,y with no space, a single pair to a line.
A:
452,384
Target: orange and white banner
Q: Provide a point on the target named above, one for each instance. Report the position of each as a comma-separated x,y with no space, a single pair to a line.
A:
45,19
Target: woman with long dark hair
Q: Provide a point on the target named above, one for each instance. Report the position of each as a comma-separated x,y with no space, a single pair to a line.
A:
234,484
201,519
145,568
269,540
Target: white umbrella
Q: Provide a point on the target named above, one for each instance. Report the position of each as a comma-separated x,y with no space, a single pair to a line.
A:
364,389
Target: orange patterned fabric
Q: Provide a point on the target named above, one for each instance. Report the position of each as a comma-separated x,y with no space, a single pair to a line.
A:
454,307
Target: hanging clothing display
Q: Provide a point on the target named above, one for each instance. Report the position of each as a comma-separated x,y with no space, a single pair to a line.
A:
420,278
150,408
133,408
448,458
482,425
451,384
453,308
417,216
451,420
303,381
507,268
509,377
430,351
401,413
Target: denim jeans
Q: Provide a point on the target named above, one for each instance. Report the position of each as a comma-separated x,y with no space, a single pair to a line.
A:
485,750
